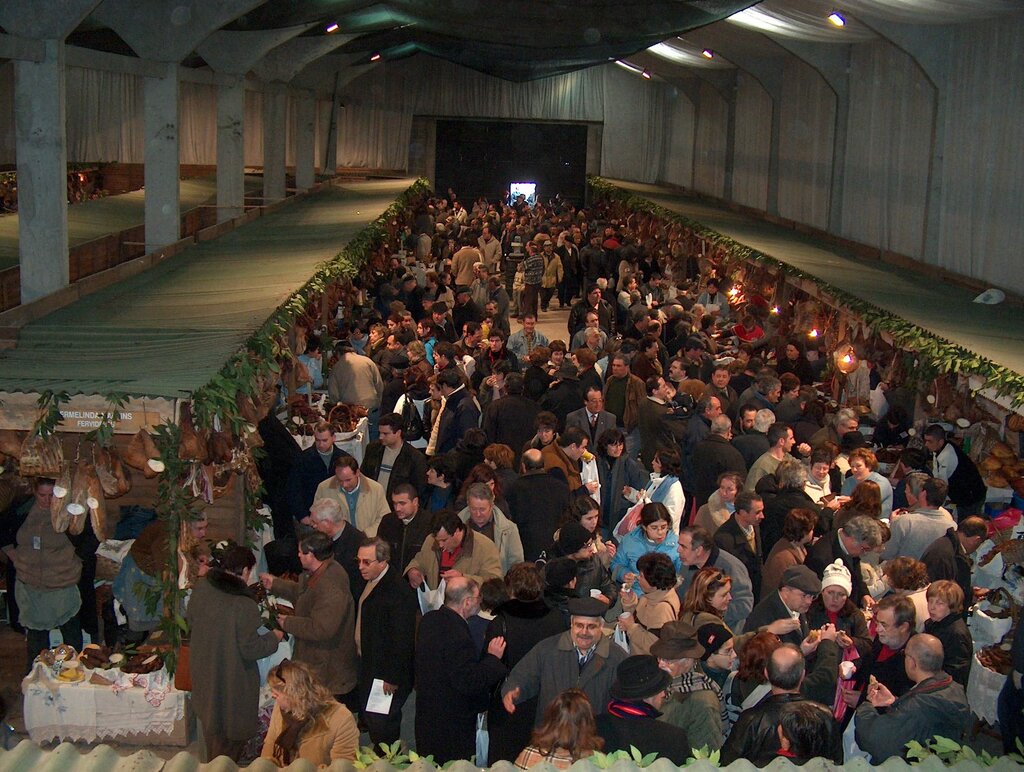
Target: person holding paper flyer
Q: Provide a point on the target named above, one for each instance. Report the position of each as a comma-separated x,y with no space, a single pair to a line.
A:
385,639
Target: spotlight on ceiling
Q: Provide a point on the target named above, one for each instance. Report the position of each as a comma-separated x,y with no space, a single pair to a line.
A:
634,68
707,53
837,19
646,74
375,57
332,28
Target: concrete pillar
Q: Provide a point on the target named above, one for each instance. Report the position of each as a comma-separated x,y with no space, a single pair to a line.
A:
230,149
305,140
163,216
275,115
42,172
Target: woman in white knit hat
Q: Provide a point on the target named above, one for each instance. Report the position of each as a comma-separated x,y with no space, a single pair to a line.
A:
833,606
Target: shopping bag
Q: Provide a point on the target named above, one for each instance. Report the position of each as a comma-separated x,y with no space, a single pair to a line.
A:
589,474
621,639
430,600
630,520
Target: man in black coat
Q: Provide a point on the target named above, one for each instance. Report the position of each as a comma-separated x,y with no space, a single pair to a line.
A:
326,517
385,638
453,680
391,460
861,534
460,413
510,420
775,613
563,396
755,732
631,717
949,556
735,536
314,465
405,527
536,503
713,456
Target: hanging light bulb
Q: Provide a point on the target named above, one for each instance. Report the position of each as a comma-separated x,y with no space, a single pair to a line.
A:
332,28
775,310
375,57
845,358
646,74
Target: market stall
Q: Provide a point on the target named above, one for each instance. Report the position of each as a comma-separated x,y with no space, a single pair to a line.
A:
945,356
147,396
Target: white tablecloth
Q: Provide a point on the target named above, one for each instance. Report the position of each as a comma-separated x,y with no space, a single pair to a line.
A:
983,687
88,712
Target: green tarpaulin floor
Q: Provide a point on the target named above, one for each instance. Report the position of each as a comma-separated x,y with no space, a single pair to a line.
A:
995,332
168,331
100,217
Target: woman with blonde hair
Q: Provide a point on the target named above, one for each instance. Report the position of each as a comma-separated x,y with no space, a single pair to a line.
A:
567,733
307,723
706,598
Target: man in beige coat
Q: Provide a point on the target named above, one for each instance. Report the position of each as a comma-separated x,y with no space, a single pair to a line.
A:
356,492
454,550
325,618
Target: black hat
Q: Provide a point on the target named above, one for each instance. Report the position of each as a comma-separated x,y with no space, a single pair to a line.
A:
573,537
802,578
712,637
852,441
559,572
638,677
587,607
462,289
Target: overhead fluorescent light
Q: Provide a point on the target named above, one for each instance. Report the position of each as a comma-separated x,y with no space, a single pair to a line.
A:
707,53
332,28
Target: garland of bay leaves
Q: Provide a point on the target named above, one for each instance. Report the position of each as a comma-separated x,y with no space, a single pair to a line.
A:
933,353
260,357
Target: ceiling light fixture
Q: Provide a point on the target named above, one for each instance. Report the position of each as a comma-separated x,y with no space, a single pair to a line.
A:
332,28
634,68
707,53
837,19
375,57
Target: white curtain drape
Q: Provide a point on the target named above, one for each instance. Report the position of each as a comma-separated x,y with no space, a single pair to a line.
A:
889,141
805,145
104,116
709,152
677,165
982,200
753,141
634,126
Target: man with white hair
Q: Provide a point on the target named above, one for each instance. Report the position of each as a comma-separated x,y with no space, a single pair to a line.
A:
713,456
845,421
326,517
753,442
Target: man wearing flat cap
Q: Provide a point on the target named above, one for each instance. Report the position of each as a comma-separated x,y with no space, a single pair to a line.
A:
582,658
693,700
631,718
784,612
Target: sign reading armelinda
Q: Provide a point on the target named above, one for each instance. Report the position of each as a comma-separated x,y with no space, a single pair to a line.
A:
83,413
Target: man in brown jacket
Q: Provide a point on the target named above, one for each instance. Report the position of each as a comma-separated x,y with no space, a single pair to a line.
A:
324,619
454,550
624,393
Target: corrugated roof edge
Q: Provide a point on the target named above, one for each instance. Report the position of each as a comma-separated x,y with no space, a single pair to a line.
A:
28,756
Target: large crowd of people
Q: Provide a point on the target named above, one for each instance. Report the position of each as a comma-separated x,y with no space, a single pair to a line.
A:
646,532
